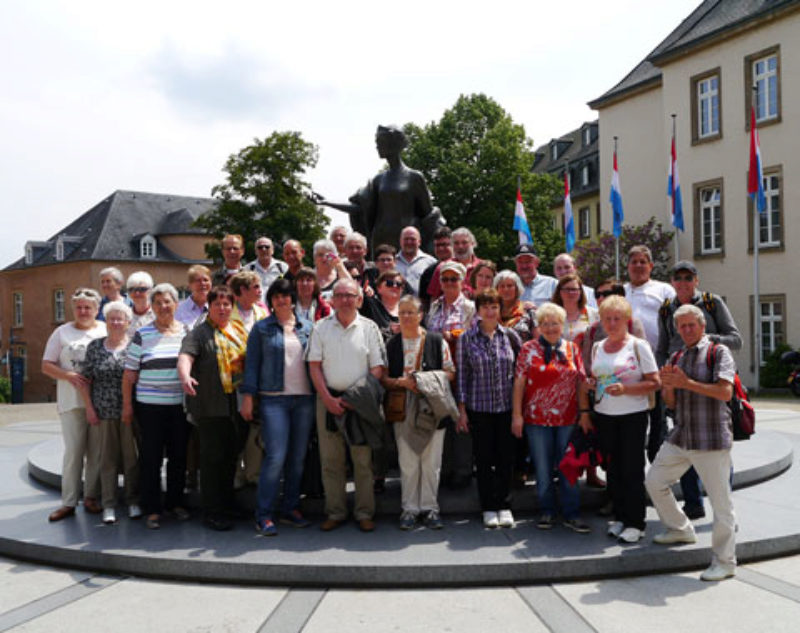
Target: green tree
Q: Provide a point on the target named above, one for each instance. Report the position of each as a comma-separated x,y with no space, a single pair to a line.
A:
265,194
471,159
596,260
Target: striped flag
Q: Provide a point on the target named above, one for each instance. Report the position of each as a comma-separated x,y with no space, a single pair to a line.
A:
616,199
755,176
569,221
674,189
521,221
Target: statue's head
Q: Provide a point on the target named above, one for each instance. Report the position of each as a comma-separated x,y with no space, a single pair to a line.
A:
390,139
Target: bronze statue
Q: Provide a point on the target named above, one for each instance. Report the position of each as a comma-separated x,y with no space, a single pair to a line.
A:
391,200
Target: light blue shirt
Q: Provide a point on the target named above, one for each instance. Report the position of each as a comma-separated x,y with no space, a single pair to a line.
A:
413,270
540,290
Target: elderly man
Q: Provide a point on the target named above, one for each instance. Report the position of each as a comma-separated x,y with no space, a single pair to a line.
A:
697,384
411,262
111,282
268,267
564,264
338,235
232,253
355,248
293,254
645,295
464,245
539,288
720,328
342,350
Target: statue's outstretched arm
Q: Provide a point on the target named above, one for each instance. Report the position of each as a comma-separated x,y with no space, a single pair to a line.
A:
347,207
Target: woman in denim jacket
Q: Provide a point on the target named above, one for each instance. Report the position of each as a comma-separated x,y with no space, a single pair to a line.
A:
275,369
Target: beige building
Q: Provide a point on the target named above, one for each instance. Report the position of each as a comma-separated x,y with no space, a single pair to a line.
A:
708,71
130,230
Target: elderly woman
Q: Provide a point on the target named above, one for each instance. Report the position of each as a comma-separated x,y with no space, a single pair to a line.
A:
411,350
210,367
309,305
452,313
63,355
625,373
192,310
247,307
485,359
514,313
276,370
151,370
111,281
139,285
482,276
328,267
549,384
102,368
569,294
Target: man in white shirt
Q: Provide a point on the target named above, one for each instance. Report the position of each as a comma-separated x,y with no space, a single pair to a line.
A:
564,264
268,267
411,262
539,288
645,294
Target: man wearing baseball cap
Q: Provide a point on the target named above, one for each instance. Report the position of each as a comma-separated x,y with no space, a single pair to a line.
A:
539,288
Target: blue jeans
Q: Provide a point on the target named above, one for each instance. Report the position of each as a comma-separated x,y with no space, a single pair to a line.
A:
286,423
547,445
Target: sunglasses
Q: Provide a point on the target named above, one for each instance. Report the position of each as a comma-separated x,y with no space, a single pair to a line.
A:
138,289
450,280
263,247
390,283
683,278
604,293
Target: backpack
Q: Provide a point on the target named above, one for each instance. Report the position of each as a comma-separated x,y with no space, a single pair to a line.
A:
743,415
666,313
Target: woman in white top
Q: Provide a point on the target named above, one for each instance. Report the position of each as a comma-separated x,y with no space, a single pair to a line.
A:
63,355
625,374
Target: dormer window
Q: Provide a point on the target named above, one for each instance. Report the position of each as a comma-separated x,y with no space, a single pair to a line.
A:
554,151
28,254
147,247
585,176
587,136
60,250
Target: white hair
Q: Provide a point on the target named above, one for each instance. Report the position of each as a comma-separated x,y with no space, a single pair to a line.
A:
323,245
504,275
118,306
689,310
463,230
116,274
164,289
139,278
356,237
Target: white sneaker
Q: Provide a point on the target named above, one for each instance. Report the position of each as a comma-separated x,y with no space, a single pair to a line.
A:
134,511
716,571
505,518
490,520
109,516
675,536
615,528
630,535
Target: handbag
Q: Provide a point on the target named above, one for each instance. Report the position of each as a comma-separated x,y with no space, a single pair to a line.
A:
394,402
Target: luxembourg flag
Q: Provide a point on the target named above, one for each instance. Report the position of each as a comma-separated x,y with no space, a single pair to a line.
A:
521,221
569,221
755,176
674,189
616,199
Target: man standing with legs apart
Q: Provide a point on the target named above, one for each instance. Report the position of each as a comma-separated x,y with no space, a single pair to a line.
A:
697,384
343,349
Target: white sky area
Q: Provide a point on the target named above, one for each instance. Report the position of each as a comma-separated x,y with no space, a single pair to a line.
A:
154,96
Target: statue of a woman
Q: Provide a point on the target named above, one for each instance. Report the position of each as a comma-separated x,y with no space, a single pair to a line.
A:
391,200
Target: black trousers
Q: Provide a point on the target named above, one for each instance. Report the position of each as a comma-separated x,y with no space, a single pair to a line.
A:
164,429
494,458
622,440
220,443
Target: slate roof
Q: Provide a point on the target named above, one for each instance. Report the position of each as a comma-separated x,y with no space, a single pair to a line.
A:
110,231
708,21
571,149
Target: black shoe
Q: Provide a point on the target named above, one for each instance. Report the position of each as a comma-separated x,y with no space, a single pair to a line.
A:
694,512
218,523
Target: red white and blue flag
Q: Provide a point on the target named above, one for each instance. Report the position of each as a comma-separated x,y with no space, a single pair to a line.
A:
674,190
616,199
755,176
521,221
569,221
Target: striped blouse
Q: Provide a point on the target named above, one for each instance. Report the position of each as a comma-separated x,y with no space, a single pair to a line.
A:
155,356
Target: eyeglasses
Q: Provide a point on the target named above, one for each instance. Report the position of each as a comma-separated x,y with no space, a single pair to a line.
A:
345,295
683,278
138,289
450,280
604,293
263,247
391,283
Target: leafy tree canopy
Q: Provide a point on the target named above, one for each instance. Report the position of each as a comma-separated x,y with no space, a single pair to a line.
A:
597,260
471,159
265,194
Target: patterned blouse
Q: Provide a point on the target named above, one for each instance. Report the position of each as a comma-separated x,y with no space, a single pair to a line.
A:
104,368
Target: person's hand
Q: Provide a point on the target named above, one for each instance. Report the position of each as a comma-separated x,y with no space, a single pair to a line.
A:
615,389
189,386
462,424
585,422
517,425
674,377
77,380
408,382
91,416
246,408
334,405
369,292
394,327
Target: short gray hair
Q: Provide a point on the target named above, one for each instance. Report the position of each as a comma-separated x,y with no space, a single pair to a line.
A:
116,274
356,237
551,310
323,245
689,310
139,278
348,281
164,289
505,275
118,306
463,230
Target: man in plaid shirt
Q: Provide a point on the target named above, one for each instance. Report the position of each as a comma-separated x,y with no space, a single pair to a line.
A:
697,384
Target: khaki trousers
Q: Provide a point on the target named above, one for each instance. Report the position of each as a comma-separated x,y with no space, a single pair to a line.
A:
118,449
332,453
419,472
81,440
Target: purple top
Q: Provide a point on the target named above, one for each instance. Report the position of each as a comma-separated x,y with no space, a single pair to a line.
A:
485,369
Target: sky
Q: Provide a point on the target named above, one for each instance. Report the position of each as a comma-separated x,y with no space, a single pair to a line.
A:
155,95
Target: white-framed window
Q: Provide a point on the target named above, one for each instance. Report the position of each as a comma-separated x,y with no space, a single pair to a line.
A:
554,151
18,309
585,176
587,136
59,313
710,220
147,247
771,315
708,106
28,254
765,80
59,250
584,223
770,233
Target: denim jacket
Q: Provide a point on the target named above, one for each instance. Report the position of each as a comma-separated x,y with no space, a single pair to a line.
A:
264,368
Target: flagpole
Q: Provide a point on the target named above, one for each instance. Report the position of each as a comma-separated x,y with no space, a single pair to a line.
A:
616,238
677,245
756,298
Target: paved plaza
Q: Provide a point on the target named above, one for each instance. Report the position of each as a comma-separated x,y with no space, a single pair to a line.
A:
764,596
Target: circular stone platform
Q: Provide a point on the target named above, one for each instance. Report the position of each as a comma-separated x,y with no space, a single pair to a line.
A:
767,502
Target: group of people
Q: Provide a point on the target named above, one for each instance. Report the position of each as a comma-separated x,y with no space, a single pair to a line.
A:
463,370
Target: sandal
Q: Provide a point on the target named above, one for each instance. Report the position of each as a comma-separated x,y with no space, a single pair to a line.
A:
152,522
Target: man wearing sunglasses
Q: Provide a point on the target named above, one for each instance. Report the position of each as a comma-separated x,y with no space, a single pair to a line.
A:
268,267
